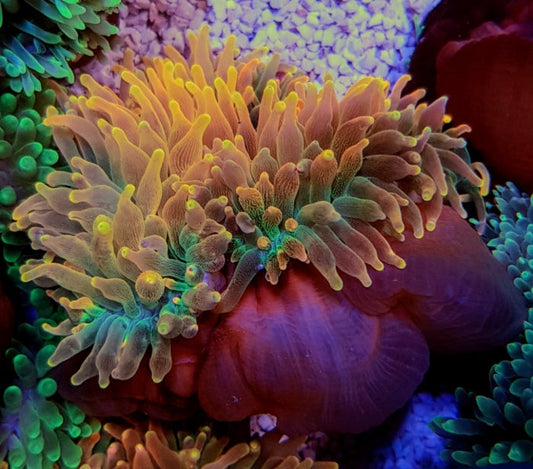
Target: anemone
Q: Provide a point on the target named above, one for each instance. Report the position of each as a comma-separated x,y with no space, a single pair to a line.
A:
38,39
154,445
28,155
498,429
26,148
202,172
36,430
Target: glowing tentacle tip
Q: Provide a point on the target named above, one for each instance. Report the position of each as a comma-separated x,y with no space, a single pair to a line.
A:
150,286
431,225
398,261
263,243
291,224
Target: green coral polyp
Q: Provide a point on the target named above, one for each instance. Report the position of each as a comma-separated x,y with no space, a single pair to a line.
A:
26,155
37,432
513,245
201,162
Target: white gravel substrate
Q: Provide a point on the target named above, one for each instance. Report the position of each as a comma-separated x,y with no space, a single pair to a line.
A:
348,39
146,27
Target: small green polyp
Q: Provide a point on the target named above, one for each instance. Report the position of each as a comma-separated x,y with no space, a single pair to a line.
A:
47,387
8,103
27,167
38,431
8,196
48,157
9,124
12,398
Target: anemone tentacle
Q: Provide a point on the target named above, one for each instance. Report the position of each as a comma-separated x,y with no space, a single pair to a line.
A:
157,445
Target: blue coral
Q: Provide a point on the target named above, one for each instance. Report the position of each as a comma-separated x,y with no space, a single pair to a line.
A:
513,236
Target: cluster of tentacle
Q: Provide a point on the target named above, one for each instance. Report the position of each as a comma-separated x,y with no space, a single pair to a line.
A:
153,445
202,172
38,432
39,38
27,155
512,241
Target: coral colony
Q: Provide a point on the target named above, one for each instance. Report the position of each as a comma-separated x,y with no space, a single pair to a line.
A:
215,236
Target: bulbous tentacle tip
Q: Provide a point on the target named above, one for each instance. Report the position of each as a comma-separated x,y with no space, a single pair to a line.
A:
150,287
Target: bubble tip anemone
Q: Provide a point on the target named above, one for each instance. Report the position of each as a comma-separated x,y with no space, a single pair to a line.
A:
183,189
